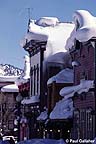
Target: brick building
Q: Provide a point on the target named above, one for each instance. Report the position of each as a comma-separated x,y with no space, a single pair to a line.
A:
82,45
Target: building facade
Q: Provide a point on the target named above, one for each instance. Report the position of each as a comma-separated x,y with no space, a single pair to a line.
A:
84,103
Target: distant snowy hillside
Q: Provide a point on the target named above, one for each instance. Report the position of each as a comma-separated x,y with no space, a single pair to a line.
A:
9,70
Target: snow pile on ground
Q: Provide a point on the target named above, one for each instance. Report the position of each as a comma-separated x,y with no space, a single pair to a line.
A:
64,76
85,28
42,141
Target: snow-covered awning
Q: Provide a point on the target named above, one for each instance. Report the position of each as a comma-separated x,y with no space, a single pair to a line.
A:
43,115
85,28
64,76
30,100
62,110
84,86
10,88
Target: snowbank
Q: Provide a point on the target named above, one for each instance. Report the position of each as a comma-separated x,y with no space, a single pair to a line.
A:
42,141
85,28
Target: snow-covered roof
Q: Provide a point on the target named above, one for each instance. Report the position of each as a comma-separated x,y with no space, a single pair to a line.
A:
62,110
62,58
8,78
10,88
43,115
85,28
84,86
56,32
31,100
64,76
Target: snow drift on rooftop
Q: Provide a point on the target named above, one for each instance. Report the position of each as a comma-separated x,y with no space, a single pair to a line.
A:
56,32
84,86
85,28
64,76
47,21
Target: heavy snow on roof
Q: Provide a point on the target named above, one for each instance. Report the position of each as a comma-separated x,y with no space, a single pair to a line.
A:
85,28
56,32
64,76
10,88
84,86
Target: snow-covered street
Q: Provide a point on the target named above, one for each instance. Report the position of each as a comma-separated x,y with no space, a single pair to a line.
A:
42,141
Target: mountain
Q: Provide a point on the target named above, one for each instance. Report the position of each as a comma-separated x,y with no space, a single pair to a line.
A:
10,70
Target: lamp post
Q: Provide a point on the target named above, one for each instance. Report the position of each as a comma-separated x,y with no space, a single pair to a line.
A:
18,99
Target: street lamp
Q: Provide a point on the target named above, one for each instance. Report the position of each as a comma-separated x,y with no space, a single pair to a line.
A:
18,99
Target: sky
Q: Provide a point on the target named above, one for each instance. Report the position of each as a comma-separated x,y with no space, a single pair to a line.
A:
14,16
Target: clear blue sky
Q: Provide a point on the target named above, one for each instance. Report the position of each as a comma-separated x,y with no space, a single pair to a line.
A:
14,19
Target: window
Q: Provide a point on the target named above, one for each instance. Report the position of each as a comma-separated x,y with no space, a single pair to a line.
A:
31,80
76,124
82,123
89,123
34,79
77,44
37,78
53,69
